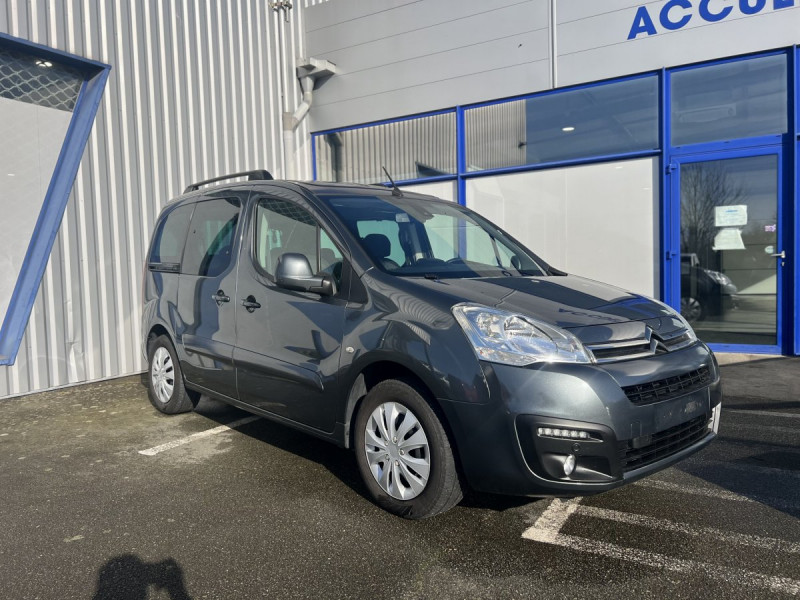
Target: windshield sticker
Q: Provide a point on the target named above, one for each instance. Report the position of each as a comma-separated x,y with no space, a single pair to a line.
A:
402,218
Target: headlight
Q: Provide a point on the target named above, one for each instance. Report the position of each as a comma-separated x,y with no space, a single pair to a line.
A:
720,278
511,339
674,313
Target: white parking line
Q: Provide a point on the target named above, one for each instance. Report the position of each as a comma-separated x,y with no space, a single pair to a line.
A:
552,520
744,467
763,413
770,501
196,436
736,577
691,530
547,529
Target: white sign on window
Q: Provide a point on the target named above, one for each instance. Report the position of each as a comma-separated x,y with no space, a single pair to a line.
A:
730,216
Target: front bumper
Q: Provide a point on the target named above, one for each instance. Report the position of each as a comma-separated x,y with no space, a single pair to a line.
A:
507,445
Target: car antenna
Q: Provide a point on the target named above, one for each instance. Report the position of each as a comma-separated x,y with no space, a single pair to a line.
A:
395,190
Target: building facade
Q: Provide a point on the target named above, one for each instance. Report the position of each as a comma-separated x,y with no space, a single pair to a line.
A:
652,145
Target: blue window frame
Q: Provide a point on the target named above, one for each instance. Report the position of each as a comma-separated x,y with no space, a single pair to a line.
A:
94,76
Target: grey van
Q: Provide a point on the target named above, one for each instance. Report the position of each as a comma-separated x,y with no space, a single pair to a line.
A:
421,335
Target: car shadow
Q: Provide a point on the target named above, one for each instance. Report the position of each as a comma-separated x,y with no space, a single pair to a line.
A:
340,462
128,577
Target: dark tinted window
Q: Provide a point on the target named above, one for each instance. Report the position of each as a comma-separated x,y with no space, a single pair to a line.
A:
170,235
283,226
611,118
209,246
739,99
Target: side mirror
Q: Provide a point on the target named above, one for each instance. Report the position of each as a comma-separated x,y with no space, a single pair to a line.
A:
294,273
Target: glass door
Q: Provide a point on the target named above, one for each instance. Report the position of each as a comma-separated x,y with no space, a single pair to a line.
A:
731,253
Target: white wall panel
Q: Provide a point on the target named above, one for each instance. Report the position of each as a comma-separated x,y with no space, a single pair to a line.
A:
399,57
195,91
588,220
593,37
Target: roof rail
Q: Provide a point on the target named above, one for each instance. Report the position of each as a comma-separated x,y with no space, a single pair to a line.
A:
257,175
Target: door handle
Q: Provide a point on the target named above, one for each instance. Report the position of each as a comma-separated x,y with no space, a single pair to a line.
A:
250,303
220,297
781,255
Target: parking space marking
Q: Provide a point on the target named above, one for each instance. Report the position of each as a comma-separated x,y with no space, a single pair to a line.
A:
552,520
547,529
771,501
747,468
196,436
691,530
763,413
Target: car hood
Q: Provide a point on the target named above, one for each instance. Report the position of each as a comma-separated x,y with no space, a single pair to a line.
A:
594,310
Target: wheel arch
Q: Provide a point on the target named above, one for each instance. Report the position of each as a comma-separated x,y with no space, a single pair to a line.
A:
382,370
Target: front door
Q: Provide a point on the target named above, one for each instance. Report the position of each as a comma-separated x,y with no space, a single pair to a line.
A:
288,342
732,257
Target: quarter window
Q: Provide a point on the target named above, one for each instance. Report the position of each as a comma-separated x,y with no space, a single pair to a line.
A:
170,236
209,246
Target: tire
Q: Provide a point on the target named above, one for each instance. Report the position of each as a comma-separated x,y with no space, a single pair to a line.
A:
403,489
692,309
165,386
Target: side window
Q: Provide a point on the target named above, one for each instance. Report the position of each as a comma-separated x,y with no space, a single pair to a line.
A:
282,226
169,237
209,246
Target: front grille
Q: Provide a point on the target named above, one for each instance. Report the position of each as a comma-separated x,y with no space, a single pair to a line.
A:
669,388
662,444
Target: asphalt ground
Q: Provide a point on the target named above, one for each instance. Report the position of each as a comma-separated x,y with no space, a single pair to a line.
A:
262,511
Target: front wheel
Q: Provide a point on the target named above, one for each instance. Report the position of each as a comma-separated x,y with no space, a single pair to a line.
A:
404,454
165,388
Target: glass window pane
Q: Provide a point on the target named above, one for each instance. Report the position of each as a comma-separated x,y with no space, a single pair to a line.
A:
209,245
282,227
410,149
729,239
738,99
168,240
599,221
606,119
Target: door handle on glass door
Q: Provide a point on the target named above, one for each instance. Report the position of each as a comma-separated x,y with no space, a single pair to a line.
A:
780,255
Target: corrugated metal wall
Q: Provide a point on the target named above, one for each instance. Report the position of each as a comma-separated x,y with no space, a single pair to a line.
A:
195,91
403,147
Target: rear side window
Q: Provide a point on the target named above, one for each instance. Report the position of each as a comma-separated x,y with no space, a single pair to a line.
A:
169,238
209,246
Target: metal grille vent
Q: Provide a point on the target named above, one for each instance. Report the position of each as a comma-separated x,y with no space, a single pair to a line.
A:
38,81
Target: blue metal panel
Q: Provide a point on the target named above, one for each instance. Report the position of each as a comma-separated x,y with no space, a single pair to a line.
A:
792,208
55,201
564,163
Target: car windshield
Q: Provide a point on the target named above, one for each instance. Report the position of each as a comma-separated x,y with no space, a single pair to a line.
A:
414,237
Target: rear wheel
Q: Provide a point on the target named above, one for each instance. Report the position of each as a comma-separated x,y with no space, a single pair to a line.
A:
404,454
166,389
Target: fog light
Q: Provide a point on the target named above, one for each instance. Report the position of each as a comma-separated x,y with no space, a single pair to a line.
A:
569,465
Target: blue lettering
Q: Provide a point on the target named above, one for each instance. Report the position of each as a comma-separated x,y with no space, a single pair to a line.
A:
668,23
747,9
711,17
782,3
642,23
